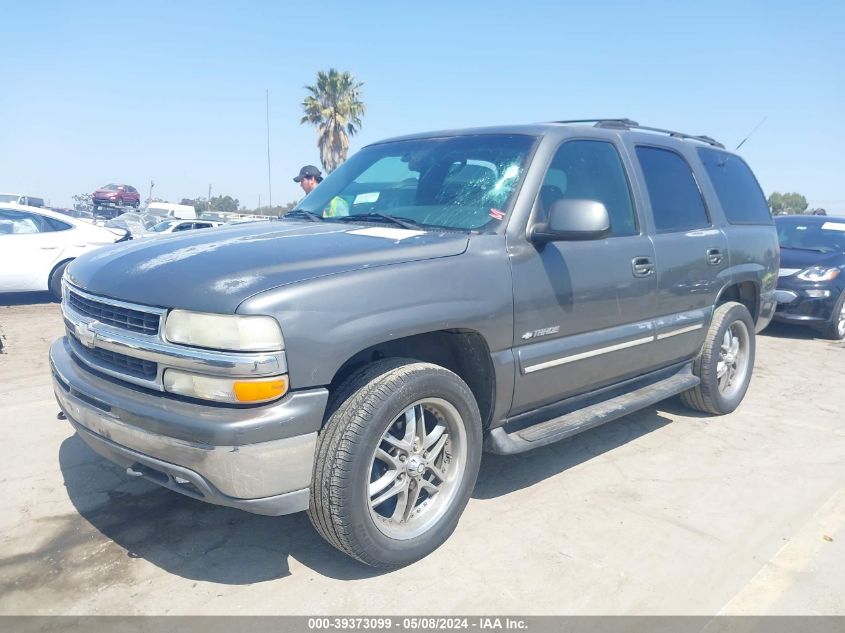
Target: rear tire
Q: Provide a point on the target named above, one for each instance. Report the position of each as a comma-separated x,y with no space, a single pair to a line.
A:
396,462
725,361
835,329
55,282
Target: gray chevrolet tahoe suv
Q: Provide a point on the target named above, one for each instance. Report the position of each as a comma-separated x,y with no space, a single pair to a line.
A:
499,288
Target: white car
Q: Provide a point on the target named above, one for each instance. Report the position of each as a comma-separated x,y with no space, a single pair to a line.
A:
16,198
181,211
174,226
36,245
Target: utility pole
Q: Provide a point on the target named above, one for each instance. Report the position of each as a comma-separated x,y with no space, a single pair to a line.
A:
269,177
259,201
208,202
150,197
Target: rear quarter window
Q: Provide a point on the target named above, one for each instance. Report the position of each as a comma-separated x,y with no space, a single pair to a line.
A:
736,187
57,225
676,201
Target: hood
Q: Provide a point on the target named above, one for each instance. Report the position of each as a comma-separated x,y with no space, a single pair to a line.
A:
215,270
801,259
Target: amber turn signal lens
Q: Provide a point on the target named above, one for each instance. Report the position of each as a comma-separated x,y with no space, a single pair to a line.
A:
258,391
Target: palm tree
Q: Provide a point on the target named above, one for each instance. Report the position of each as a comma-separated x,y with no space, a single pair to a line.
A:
335,107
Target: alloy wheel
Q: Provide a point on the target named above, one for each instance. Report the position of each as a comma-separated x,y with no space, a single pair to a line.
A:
732,366
417,468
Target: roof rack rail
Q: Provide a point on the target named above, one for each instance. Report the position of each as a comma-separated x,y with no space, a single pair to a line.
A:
627,124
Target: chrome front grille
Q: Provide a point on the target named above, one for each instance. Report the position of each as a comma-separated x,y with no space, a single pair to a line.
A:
116,362
114,315
123,340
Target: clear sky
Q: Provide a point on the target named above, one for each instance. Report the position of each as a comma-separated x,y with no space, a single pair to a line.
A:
99,92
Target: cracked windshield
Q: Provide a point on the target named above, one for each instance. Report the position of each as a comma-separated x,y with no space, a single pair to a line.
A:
462,183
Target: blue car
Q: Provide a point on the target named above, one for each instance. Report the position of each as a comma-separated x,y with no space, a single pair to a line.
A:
811,281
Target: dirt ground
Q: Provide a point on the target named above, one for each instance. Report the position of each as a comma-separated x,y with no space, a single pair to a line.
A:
661,512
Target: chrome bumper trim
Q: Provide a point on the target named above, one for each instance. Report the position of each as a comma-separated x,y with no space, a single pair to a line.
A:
246,472
188,482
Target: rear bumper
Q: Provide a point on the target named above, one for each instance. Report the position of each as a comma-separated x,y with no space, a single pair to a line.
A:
259,459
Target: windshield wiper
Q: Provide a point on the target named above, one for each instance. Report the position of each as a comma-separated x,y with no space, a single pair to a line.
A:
405,223
305,214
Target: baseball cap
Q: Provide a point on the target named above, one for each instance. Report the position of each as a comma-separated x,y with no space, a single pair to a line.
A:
309,171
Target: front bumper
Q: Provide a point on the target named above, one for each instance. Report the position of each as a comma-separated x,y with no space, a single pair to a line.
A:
795,306
258,459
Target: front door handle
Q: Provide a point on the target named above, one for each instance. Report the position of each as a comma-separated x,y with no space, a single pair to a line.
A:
642,266
714,256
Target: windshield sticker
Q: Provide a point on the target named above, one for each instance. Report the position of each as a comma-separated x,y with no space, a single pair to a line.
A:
387,233
363,198
834,226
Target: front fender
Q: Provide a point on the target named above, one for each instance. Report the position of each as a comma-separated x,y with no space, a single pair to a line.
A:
328,320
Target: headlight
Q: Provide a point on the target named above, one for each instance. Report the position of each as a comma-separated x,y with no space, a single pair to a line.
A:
818,273
232,390
240,333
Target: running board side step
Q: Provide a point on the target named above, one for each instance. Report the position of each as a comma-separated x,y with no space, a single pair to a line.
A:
553,430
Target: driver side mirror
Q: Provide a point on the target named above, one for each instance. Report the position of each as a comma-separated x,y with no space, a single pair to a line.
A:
572,219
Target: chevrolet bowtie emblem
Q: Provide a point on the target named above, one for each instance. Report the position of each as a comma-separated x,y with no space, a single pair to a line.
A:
85,335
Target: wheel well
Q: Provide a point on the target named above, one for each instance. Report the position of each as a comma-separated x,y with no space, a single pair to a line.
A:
463,352
56,267
747,293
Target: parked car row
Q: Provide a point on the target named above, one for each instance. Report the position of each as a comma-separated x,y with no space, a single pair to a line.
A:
36,245
811,284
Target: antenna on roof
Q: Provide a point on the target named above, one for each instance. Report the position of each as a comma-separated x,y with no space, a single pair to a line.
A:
762,121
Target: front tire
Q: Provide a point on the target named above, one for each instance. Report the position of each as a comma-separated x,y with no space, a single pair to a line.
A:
55,282
396,462
835,329
725,361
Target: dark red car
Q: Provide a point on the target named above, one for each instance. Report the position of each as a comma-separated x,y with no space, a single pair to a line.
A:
116,196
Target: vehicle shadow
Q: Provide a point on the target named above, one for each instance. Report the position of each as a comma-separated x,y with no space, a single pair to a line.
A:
26,298
186,537
203,542
503,474
789,330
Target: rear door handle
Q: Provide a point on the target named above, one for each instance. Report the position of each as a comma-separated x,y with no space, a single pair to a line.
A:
642,266
714,256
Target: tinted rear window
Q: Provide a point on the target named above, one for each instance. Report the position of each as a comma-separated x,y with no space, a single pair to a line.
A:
675,199
735,185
